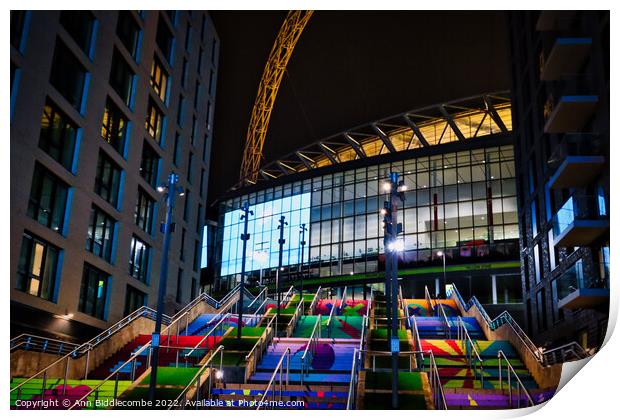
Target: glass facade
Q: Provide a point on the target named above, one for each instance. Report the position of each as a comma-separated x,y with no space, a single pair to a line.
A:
462,203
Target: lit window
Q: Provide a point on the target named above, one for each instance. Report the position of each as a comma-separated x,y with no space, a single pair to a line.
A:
114,127
154,121
94,292
159,79
37,267
58,135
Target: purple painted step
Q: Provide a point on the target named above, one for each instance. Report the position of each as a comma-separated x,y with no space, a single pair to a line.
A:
319,378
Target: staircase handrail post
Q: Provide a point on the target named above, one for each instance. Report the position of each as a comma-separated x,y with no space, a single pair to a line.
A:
278,368
342,299
510,369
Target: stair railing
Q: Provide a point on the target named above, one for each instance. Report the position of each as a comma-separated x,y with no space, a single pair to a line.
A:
313,342
429,300
287,296
447,327
519,384
291,324
352,395
262,292
369,305
329,320
363,334
567,352
403,306
40,344
315,301
439,398
132,359
219,325
410,355
259,348
283,381
474,360
342,300
417,344
261,306
197,382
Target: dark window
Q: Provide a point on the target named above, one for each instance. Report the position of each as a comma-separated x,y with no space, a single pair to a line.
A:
18,20
181,111
186,205
194,130
58,135
164,39
149,164
159,79
134,299
201,54
194,284
100,234
177,149
128,31
139,259
179,296
154,121
197,255
202,182
211,82
114,127
190,169
48,199
196,94
199,219
213,50
203,28
184,74
188,37
108,179
68,75
79,24
121,77
144,211
542,310
37,267
93,295
182,250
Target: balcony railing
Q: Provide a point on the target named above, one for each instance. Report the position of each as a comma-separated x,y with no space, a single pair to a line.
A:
576,161
578,290
580,221
569,106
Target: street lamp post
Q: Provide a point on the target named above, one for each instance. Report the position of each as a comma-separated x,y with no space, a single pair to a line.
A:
171,190
442,254
281,242
302,231
245,208
393,246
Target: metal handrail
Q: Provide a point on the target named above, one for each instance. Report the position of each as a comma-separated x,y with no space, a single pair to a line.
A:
312,343
262,305
294,318
447,329
544,358
468,343
287,296
364,330
427,296
329,320
403,305
268,336
353,380
342,299
416,336
315,300
520,386
146,346
31,342
287,354
264,291
381,353
196,379
439,398
368,307
202,340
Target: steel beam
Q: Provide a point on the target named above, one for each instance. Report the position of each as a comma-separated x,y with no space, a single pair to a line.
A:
384,138
451,123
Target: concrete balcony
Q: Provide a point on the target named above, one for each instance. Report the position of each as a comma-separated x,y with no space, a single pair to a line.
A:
566,57
577,161
581,221
570,113
576,291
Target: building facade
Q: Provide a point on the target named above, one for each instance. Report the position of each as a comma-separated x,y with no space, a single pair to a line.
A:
104,104
457,163
561,122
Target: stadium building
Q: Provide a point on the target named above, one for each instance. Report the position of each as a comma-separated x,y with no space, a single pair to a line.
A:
460,208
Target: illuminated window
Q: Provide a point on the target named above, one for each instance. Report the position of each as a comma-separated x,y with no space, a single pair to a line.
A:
79,24
48,199
107,179
100,234
154,121
114,127
121,77
159,79
144,211
68,75
139,260
94,292
37,267
128,31
58,135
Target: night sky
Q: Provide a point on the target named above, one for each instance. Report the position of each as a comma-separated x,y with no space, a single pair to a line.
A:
348,68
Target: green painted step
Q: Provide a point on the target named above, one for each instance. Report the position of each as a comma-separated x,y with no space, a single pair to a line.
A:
407,381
